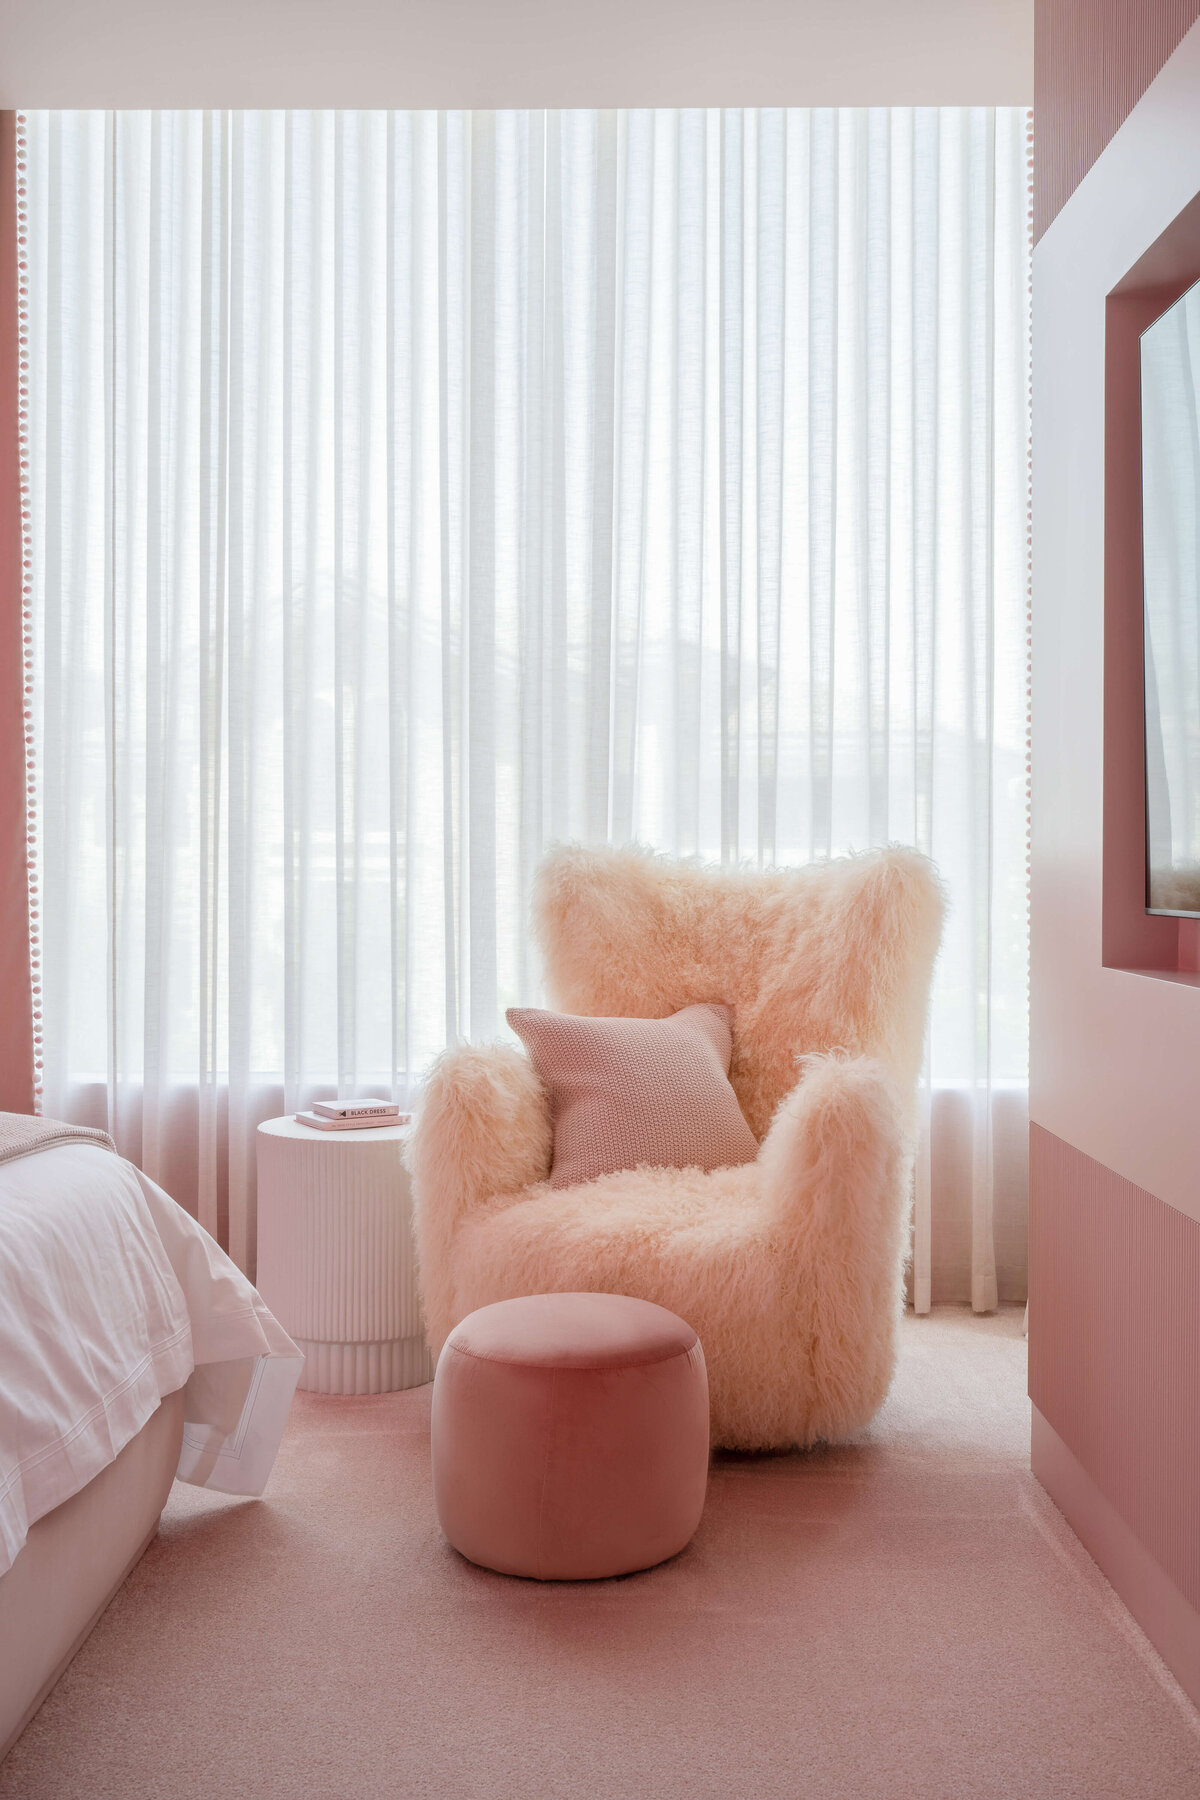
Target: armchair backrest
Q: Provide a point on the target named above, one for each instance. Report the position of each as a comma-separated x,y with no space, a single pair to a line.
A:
837,955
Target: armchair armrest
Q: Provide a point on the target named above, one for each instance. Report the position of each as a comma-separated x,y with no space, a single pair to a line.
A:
836,1166
483,1130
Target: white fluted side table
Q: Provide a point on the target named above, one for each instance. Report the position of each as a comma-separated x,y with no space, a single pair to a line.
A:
335,1255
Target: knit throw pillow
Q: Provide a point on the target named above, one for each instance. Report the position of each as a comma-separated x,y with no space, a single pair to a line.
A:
635,1093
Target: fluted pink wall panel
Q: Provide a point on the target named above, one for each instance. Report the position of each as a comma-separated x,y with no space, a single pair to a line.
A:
1093,59
1114,1345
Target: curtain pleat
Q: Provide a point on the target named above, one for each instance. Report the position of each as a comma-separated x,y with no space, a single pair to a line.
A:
408,491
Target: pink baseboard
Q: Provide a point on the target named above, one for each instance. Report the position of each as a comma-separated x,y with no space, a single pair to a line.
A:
1171,1624
1114,1375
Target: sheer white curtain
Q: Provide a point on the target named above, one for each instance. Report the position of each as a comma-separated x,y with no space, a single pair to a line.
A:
408,490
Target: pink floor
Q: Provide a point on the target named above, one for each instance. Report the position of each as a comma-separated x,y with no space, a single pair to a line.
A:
908,1616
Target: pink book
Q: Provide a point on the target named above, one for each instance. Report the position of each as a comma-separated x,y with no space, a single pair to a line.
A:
364,1124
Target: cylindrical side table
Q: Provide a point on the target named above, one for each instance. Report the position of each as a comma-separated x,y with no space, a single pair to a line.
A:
336,1263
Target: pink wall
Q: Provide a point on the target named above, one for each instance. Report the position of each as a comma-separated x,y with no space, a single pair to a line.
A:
1093,59
1115,1001
16,1029
1114,1368
1115,1047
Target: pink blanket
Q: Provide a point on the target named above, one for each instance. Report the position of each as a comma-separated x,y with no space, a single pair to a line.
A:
20,1135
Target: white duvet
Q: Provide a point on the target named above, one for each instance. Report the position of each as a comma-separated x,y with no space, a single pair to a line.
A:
111,1296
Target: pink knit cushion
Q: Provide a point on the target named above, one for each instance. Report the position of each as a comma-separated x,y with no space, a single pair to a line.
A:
636,1093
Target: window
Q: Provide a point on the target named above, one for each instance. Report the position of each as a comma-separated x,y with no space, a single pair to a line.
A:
409,490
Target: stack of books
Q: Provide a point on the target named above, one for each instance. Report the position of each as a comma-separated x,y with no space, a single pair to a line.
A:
351,1115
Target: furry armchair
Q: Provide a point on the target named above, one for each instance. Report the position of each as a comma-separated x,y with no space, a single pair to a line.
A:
789,1268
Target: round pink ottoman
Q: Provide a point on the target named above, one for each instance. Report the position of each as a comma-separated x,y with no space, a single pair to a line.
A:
570,1436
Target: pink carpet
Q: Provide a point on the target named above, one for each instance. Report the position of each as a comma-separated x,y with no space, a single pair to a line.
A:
905,1617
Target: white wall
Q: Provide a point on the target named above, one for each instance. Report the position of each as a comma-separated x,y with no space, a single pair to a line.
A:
487,53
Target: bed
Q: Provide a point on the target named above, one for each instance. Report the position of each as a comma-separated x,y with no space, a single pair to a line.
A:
132,1353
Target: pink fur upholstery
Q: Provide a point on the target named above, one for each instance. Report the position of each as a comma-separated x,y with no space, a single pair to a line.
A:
788,1268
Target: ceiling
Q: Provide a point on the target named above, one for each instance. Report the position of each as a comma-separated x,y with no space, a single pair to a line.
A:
513,53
